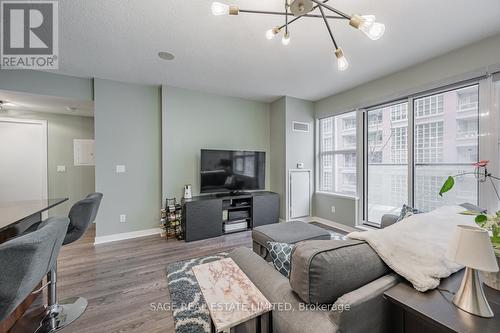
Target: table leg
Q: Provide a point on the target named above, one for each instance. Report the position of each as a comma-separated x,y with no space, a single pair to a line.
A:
270,319
258,324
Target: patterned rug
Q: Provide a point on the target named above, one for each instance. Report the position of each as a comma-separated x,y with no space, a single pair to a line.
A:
189,309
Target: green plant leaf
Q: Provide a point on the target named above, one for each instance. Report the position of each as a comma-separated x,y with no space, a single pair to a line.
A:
481,218
448,185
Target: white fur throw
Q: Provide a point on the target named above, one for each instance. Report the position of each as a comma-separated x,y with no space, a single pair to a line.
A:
415,247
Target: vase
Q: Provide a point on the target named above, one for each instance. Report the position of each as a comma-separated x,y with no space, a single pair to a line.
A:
492,280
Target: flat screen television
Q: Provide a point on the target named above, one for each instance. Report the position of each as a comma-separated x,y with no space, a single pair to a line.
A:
232,170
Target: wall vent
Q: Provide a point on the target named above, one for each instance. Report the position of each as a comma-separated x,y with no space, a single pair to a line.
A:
300,127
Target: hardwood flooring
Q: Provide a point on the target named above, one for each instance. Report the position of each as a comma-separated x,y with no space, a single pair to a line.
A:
121,279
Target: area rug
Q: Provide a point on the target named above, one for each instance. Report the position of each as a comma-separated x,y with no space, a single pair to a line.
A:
335,233
188,307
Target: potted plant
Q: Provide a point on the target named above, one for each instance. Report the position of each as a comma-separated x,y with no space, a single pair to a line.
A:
486,221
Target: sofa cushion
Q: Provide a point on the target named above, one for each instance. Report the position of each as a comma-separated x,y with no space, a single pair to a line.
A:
288,232
288,313
281,256
324,270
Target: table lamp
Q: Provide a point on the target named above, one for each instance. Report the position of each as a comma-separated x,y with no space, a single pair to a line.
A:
471,246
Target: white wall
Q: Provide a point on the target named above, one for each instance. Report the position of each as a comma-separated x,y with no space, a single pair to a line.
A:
469,61
194,120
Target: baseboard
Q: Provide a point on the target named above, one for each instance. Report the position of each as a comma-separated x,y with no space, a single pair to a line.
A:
127,235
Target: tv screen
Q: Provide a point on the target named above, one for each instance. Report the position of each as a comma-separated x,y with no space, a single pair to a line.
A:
232,170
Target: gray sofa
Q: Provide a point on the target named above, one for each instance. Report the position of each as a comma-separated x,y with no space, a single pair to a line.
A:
334,286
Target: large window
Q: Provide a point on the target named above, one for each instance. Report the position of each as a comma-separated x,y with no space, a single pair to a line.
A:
447,145
337,154
445,142
386,160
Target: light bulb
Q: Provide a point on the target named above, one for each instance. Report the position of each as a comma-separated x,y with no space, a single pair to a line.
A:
220,9
272,32
367,24
223,9
342,62
286,39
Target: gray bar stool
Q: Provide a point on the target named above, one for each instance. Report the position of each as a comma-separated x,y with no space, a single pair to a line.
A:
25,260
62,313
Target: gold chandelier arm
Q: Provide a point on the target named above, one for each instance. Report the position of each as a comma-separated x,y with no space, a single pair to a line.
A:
330,8
328,27
248,11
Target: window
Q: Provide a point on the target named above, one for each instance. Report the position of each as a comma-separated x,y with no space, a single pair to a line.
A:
468,99
467,128
349,123
399,112
448,145
399,149
429,106
429,142
337,154
386,161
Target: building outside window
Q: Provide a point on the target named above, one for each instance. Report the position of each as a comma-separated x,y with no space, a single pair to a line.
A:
399,112
429,142
337,154
429,106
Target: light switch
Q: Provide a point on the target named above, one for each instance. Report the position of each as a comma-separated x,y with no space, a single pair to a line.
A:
61,168
120,168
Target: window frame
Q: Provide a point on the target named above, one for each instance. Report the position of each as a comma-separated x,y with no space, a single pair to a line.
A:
411,140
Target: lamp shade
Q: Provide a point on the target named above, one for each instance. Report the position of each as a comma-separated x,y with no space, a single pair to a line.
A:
471,247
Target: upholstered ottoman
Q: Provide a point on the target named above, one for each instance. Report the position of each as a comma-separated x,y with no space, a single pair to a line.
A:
287,232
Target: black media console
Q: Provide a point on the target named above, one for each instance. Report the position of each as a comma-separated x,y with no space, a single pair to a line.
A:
215,215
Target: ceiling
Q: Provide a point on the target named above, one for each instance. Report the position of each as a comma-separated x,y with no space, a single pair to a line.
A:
229,55
17,101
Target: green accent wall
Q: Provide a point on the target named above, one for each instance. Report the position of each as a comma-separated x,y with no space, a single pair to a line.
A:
194,120
127,132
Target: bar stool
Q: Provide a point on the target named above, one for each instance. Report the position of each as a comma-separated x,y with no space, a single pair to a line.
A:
25,260
62,313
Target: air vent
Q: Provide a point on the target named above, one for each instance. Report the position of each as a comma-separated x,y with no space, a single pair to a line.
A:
300,127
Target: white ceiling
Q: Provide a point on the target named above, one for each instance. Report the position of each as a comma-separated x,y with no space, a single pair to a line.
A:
229,55
17,101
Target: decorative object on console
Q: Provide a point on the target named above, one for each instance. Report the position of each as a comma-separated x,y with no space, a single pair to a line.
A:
281,254
471,247
188,193
306,8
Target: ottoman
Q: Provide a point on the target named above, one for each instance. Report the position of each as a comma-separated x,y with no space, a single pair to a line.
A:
287,232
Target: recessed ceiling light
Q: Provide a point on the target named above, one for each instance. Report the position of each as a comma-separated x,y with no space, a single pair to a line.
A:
166,55
71,108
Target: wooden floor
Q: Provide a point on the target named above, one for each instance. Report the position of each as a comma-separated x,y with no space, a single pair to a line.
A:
121,279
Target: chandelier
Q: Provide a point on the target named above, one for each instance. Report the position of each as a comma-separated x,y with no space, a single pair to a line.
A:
306,8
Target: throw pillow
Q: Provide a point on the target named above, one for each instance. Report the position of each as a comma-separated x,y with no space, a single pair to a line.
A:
281,255
407,211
